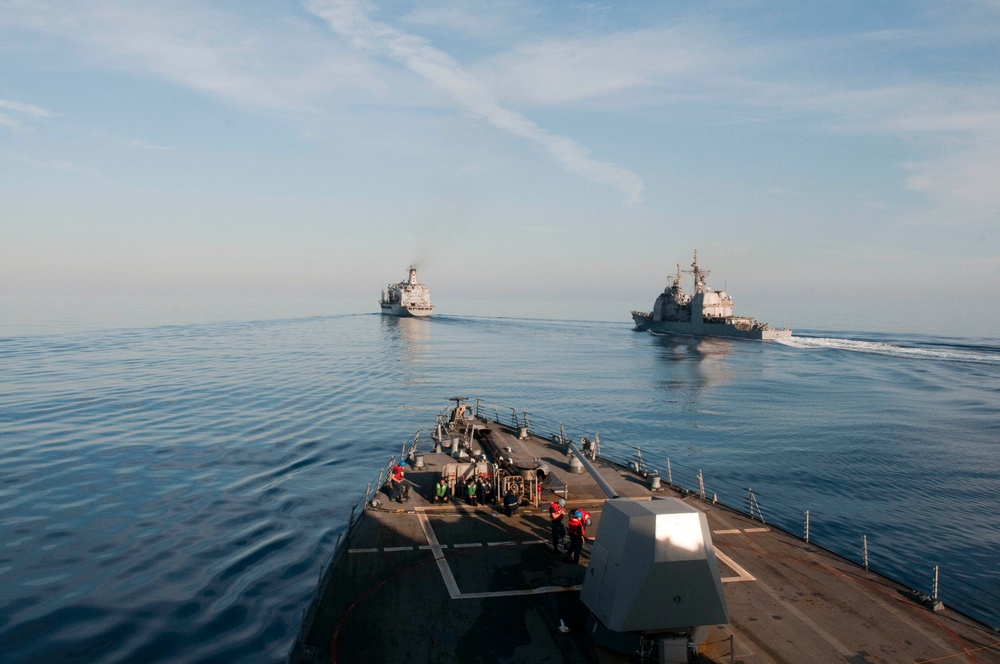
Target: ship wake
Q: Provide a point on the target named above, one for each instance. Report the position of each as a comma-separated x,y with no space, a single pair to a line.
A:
944,353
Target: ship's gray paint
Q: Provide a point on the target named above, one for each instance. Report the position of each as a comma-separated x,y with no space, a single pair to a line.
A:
706,313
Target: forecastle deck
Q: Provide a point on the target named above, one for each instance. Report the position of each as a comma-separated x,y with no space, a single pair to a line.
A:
424,582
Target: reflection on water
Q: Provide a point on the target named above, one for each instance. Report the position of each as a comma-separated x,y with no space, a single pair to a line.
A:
703,361
408,339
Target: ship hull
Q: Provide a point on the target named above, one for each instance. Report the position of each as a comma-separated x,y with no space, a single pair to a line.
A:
406,312
644,321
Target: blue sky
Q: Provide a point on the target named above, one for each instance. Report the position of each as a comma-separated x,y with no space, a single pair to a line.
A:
835,164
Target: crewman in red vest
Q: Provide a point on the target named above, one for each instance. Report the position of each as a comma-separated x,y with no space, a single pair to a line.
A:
557,510
396,483
577,533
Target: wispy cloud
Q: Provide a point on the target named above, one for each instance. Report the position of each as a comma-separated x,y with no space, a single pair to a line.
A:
557,71
26,109
925,80
139,144
350,21
215,52
14,121
861,83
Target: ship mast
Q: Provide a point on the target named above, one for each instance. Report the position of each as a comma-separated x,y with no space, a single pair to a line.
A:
699,274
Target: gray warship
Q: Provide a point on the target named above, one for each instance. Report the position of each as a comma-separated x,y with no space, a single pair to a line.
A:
667,575
706,313
407,298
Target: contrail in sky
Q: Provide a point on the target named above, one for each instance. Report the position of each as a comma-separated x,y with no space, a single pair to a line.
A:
350,21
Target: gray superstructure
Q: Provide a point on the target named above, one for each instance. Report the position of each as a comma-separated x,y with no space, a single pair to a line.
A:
706,313
407,298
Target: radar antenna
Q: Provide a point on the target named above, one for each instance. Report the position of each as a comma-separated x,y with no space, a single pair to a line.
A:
699,274
677,279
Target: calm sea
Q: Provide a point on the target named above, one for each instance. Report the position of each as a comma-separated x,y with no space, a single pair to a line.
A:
170,492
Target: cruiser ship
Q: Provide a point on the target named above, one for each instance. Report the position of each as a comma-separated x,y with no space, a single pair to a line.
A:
407,298
706,313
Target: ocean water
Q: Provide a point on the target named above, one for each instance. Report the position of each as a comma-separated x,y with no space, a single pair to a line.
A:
170,492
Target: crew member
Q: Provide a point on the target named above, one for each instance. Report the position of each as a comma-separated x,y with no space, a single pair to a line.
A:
510,503
577,533
557,510
441,491
396,483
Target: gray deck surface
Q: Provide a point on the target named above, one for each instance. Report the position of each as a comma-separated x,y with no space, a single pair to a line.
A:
457,583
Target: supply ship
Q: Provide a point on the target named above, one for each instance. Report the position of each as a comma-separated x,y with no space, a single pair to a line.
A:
706,313
427,571
407,298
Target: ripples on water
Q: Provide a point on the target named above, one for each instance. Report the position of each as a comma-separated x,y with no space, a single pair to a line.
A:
171,493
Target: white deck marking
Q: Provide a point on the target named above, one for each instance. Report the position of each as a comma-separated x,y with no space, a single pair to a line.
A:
446,575
452,585
756,530
822,633
743,574
734,531
449,578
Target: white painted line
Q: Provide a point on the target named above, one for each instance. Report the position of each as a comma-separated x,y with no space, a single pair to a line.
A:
446,575
846,652
362,550
743,574
501,543
470,545
449,578
397,548
756,530
735,531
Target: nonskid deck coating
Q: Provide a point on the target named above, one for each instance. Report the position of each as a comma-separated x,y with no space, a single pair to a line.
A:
457,583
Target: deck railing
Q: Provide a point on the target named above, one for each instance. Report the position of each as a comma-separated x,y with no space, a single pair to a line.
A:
340,547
